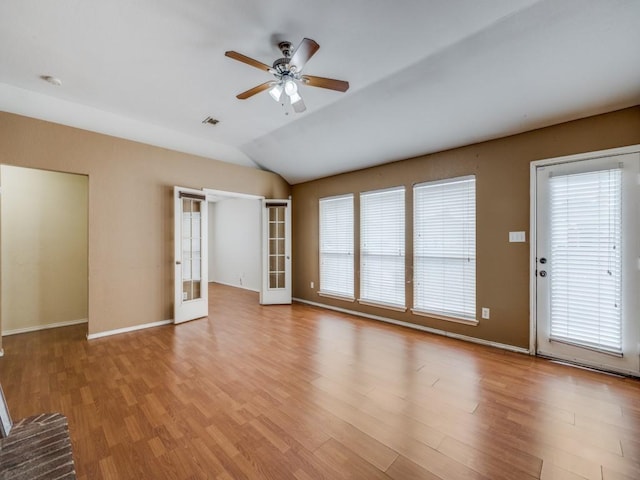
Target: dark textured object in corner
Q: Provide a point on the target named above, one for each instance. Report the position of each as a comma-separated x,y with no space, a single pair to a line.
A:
38,448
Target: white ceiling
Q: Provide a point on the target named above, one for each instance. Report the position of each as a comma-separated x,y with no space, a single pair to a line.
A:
425,75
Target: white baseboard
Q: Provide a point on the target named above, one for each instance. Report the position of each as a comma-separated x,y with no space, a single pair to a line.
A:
444,333
36,328
117,331
236,286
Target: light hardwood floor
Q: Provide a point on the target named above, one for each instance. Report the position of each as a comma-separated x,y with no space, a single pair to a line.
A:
297,392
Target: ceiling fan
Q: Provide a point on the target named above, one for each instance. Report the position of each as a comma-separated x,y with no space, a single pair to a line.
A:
288,74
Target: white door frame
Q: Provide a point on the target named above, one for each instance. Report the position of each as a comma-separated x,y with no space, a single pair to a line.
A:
532,223
276,295
213,195
198,307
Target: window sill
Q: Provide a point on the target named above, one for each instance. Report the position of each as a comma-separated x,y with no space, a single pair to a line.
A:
382,305
464,321
337,297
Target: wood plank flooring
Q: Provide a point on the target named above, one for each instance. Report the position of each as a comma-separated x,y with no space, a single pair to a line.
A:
297,392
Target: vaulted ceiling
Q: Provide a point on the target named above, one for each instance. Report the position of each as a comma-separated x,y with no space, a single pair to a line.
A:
425,75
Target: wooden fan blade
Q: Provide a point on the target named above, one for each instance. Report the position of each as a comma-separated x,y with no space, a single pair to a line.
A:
303,53
252,91
249,61
330,83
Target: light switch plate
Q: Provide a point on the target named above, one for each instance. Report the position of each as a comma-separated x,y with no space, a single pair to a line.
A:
517,237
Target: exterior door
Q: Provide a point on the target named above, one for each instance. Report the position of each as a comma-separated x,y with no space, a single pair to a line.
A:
587,259
276,252
191,267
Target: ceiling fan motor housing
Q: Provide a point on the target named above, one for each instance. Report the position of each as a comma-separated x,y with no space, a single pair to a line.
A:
285,48
282,67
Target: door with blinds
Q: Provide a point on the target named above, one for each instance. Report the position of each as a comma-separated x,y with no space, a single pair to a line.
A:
587,259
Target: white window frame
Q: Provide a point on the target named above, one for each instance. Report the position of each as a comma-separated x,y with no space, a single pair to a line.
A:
341,249
465,310
382,248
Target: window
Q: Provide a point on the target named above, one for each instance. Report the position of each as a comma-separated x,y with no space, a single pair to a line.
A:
336,246
444,243
586,240
382,234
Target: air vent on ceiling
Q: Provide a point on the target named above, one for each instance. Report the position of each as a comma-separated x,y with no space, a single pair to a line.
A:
211,121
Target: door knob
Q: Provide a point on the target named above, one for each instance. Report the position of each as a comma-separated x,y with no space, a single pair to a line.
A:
543,273
178,262
543,260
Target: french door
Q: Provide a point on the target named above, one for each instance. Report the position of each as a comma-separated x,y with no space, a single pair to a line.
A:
586,261
190,258
276,252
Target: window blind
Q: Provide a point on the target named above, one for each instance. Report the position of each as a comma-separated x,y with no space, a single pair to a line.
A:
336,246
585,261
382,249
444,229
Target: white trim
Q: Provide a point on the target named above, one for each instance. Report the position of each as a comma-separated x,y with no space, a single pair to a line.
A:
388,306
36,328
117,331
532,222
210,192
465,321
533,242
257,290
572,362
435,331
612,152
337,297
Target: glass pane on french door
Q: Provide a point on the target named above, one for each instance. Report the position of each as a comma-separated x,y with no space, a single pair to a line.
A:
276,246
276,263
190,254
191,249
587,267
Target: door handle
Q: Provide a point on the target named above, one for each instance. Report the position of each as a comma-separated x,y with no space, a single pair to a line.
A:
178,262
543,260
543,273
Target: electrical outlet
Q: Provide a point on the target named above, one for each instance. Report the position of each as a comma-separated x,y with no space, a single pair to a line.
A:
517,237
485,313
311,284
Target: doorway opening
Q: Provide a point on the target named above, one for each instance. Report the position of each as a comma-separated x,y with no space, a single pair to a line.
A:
44,249
250,244
235,239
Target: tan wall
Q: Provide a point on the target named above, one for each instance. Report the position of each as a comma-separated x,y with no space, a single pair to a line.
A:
502,182
44,248
130,209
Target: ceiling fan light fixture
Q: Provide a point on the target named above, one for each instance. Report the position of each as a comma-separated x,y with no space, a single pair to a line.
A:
295,97
276,92
290,87
287,72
